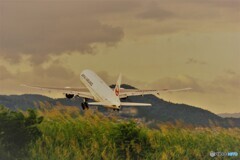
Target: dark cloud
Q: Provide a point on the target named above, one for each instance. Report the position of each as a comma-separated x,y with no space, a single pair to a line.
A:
44,28
41,29
195,61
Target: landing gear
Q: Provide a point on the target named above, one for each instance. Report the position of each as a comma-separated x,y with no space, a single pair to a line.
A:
84,104
116,109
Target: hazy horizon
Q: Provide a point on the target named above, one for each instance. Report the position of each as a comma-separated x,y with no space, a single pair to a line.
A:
154,44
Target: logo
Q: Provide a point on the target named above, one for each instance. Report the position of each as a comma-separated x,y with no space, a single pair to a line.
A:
87,79
117,91
232,154
212,154
223,154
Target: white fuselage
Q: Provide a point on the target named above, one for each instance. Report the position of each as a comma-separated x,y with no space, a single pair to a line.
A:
99,89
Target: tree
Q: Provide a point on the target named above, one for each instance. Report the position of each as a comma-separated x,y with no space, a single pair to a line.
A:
18,130
131,141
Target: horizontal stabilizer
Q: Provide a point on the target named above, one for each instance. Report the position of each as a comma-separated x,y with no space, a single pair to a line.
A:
99,103
135,104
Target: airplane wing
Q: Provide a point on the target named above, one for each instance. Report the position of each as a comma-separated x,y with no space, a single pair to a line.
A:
135,92
81,92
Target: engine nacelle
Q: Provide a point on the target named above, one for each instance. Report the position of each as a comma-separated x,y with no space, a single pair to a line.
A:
69,96
125,98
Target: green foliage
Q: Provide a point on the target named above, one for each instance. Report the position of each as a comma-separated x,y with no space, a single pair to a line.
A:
131,141
93,136
68,135
17,131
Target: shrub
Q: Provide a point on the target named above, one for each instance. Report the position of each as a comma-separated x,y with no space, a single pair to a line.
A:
131,141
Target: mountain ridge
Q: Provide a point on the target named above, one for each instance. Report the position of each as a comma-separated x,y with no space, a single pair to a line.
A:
161,111
229,115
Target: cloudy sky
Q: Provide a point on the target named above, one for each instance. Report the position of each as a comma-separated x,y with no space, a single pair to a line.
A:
154,44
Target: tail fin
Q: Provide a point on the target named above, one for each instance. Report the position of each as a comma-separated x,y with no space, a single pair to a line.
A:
118,85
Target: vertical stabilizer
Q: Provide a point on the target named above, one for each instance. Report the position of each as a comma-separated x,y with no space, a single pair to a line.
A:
118,85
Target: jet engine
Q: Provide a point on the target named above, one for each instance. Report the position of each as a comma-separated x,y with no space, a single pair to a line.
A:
69,96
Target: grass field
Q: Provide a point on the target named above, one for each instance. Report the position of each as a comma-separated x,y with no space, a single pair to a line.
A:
69,135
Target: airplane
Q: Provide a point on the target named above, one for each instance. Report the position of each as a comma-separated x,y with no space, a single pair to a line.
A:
97,90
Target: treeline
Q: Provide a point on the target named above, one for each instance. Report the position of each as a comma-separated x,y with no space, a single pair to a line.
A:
65,133
17,131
